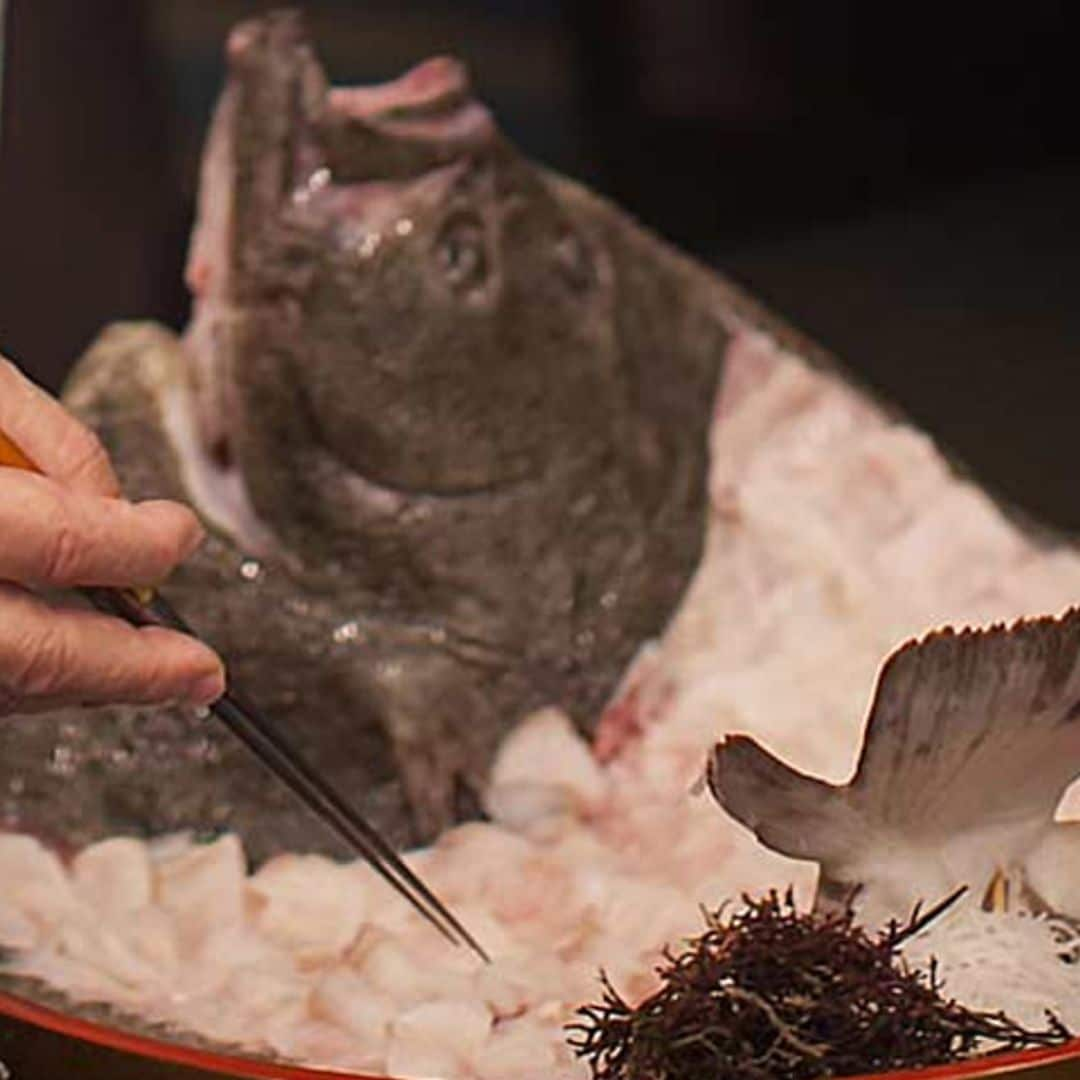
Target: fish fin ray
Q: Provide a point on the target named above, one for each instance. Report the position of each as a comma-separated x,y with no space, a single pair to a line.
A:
788,811
970,726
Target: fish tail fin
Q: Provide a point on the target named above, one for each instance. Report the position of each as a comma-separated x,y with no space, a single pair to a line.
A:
790,812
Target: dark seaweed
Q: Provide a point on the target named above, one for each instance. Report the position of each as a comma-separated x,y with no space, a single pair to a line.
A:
774,994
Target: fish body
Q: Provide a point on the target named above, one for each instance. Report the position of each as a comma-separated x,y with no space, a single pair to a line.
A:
446,414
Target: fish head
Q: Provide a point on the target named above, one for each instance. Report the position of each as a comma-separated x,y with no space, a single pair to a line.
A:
380,276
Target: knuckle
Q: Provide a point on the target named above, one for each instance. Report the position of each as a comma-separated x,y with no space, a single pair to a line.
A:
62,554
32,666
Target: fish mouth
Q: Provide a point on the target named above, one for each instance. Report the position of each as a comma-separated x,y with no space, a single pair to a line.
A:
425,118
431,101
401,129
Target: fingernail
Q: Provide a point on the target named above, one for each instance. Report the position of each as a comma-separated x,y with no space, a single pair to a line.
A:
207,689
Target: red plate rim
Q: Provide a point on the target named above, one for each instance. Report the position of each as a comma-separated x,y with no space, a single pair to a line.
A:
233,1065
160,1049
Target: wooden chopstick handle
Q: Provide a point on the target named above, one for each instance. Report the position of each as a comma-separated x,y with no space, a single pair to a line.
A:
13,457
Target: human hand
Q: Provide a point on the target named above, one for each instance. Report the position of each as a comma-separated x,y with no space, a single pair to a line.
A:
70,527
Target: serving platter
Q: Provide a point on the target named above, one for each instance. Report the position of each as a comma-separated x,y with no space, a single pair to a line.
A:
39,1041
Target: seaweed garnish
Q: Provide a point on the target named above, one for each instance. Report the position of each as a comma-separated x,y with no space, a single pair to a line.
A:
770,993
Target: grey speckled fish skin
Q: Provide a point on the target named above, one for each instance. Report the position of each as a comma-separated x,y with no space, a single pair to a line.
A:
473,450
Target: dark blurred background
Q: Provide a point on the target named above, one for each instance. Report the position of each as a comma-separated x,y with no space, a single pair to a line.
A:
898,179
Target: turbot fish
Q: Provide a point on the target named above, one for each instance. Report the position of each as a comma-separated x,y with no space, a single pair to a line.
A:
446,414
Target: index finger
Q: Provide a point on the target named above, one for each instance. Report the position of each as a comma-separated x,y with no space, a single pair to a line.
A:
59,444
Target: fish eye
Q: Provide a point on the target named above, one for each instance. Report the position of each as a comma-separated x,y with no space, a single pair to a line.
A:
575,262
461,254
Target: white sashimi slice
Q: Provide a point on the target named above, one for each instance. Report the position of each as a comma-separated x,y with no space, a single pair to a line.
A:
485,927
345,999
203,887
170,845
407,975
17,930
546,750
152,934
96,946
33,882
79,981
476,860
420,1061
115,876
874,486
226,950
515,1048
261,993
941,579
294,1035
532,808
437,1038
307,904
512,985
636,916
